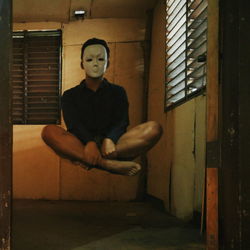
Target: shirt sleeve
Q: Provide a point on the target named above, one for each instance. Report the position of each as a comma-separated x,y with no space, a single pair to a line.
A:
121,118
72,119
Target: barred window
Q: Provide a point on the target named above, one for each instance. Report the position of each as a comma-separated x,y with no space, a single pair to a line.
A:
36,77
186,47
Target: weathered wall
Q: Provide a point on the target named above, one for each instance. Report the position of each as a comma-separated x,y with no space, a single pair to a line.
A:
176,164
38,173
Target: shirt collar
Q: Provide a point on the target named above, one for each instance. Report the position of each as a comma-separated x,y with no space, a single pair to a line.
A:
104,84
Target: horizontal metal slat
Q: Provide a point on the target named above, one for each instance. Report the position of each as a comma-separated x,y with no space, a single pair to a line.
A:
194,33
44,49
42,72
192,4
195,43
193,23
197,72
177,70
17,78
194,13
177,44
172,22
42,60
197,82
17,68
176,63
176,80
41,64
170,3
40,67
43,99
175,29
172,65
198,51
176,97
43,94
178,35
43,78
176,54
44,121
43,54
42,116
171,90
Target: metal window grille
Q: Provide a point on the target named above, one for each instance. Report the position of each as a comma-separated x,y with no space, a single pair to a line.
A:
36,77
186,46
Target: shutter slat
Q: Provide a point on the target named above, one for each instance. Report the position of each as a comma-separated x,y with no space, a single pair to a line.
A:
172,65
176,28
195,43
195,12
177,18
177,97
177,44
181,32
175,81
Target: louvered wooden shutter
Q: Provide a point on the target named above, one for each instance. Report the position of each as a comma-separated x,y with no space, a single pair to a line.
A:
36,77
186,36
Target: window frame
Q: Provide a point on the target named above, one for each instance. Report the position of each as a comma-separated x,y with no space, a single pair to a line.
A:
201,90
55,104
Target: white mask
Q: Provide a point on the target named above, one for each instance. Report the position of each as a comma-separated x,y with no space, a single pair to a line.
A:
95,60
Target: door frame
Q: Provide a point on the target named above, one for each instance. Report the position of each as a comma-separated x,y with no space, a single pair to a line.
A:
5,123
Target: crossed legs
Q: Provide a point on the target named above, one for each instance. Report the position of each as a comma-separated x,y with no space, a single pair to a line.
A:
133,143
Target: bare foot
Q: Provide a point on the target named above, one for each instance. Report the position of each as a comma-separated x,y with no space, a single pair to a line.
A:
128,168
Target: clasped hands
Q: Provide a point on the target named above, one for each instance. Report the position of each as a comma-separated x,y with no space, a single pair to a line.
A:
93,154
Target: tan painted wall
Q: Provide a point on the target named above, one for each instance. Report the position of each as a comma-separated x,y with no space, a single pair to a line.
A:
176,171
38,173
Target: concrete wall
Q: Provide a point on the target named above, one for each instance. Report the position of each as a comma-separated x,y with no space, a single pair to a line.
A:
176,164
37,172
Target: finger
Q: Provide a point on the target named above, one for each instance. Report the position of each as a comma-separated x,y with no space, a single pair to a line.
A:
91,160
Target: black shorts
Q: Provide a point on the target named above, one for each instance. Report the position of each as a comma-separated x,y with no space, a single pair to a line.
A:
99,140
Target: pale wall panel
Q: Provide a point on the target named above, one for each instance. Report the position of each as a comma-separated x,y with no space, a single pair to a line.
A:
129,70
189,150
35,11
160,157
37,26
35,166
111,30
183,168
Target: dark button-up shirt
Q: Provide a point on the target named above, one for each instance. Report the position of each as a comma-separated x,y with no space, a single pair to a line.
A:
89,113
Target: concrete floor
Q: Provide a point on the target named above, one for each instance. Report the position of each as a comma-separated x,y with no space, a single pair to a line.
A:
75,225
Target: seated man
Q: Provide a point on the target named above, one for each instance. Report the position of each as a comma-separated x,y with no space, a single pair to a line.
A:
96,116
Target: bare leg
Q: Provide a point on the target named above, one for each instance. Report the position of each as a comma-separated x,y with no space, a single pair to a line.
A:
138,140
68,146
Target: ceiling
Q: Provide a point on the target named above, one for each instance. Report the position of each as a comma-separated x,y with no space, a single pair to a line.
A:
62,10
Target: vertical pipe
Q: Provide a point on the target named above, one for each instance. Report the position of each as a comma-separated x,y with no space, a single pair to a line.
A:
5,123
